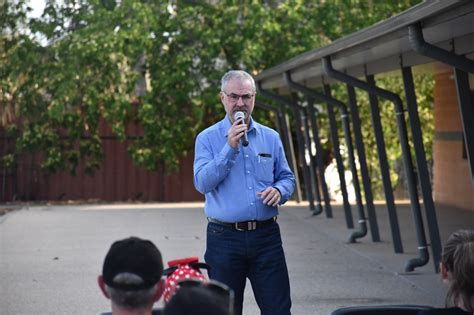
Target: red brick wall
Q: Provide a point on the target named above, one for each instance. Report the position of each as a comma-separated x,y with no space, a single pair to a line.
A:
452,182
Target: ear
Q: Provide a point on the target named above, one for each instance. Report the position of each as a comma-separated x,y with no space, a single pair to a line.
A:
443,272
100,281
222,97
159,290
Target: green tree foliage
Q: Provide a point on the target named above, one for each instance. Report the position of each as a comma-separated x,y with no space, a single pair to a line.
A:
157,63
393,82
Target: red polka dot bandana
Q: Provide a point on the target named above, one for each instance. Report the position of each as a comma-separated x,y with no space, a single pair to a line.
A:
183,270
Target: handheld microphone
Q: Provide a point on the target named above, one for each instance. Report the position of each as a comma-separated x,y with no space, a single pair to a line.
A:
241,116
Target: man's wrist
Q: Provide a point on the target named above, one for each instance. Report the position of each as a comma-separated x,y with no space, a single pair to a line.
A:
278,191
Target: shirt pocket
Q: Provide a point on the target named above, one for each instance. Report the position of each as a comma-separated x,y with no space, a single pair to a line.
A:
264,168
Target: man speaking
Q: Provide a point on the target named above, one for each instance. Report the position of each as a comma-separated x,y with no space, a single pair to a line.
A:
241,168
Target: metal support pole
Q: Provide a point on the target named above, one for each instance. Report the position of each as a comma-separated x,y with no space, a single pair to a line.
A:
287,143
369,200
309,164
286,119
420,157
348,139
319,158
384,169
282,127
340,164
466,109
299,138
403,138
313,164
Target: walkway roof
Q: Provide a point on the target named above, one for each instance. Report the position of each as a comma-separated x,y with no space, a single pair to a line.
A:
383,47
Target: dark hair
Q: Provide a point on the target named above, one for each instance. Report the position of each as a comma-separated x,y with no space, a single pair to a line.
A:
458,259
196,301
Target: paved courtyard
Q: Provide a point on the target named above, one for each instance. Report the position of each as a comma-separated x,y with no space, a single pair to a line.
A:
50,256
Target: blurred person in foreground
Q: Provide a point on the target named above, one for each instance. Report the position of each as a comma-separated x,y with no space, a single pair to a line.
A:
240,166
131,277
200,297
457,271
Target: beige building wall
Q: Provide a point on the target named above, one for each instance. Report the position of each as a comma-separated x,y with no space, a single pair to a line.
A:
452,182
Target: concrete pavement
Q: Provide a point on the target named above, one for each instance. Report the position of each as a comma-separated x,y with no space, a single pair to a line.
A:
50,256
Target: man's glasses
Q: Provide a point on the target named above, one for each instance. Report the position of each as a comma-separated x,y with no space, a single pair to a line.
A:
235,97
218,289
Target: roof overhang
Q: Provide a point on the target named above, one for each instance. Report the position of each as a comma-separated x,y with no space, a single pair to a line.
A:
383,47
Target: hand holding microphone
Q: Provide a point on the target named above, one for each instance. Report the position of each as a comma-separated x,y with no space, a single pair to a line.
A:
238,131
240,116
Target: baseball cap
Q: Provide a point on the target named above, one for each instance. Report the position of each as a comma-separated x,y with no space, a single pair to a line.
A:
135,256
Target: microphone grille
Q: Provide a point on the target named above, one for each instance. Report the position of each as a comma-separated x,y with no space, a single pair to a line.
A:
239,115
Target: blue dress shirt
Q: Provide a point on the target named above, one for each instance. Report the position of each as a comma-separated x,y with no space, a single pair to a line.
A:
230,178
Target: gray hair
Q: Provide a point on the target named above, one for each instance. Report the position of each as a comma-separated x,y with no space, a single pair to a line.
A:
131,299
237,74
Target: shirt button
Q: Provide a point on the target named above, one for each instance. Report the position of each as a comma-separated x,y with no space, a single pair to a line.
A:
250,187
248,172
246,155
251,203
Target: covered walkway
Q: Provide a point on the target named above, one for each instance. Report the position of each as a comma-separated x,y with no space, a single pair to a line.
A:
435,37
50,255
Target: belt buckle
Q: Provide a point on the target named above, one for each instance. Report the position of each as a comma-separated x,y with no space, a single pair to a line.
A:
251,225
236,225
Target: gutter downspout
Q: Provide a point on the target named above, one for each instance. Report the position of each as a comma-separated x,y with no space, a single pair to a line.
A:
348,139
418,44
408,164
422,169
364,170
461,65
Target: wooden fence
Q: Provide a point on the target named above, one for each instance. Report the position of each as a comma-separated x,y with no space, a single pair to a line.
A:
117,179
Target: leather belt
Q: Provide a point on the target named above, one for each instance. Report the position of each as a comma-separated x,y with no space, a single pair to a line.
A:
244,225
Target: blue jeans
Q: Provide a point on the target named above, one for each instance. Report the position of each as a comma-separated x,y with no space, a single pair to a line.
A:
258,255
